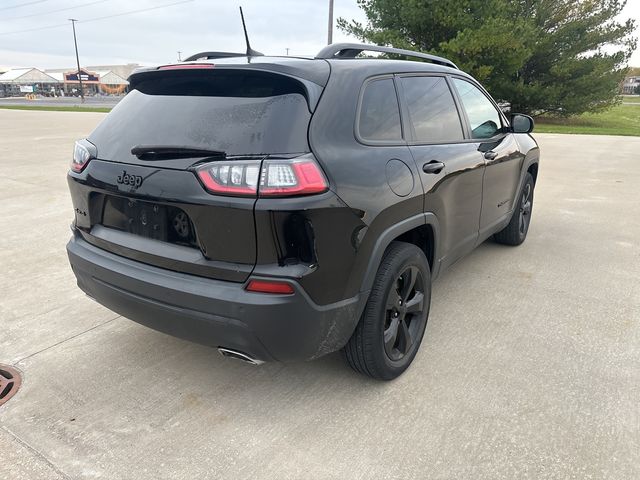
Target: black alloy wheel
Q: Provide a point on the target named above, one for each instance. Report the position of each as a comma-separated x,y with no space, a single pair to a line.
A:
525,209
404,317
394,320
516,230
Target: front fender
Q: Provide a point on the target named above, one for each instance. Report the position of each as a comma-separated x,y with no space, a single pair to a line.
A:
530,147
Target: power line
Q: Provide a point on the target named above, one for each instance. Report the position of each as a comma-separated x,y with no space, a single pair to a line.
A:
35,29
135,11
24,4
56,11
96,18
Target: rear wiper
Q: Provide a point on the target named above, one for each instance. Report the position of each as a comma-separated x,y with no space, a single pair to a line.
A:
166,152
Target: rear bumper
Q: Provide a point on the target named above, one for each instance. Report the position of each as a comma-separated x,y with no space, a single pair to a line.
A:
213,312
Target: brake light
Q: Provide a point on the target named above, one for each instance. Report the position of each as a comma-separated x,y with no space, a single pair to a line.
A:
268,178
187,66
83,151
268,286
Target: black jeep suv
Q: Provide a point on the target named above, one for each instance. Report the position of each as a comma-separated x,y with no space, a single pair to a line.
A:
284,208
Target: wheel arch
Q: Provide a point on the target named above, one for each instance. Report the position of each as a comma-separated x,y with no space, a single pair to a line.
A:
421,230
533,170
529,165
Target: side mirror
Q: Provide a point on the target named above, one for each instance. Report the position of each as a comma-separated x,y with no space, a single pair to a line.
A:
521,123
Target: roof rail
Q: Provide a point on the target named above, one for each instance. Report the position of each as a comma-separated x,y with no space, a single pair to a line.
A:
351,50
211,55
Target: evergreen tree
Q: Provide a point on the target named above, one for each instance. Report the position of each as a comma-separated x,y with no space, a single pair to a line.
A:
561,57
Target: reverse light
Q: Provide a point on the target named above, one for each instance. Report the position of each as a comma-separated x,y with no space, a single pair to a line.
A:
269,286
268,178
83,151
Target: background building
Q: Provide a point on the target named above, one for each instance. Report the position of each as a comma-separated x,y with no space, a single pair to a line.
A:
21,81
96,80
631,85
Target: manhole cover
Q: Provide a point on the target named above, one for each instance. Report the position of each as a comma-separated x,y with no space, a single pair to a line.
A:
10,381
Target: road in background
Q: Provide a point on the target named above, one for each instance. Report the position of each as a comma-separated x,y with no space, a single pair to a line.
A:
97,102
530,367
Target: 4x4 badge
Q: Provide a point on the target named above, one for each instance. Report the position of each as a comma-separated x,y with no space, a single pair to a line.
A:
126,179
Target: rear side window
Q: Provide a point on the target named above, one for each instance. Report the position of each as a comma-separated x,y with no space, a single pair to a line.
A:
483,116
433,112
379,118
239,112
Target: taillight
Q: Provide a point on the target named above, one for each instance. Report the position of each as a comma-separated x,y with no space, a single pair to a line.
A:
299,176
83,151
269,286
231,178
276,178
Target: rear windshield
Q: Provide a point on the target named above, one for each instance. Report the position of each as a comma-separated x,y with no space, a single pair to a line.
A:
237,112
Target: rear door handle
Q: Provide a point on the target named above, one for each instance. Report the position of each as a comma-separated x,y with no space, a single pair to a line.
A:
433,167
490,155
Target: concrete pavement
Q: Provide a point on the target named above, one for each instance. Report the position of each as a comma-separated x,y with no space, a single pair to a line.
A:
530,367
102,101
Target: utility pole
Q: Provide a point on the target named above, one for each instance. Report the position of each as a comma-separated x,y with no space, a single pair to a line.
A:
179,59
75,42
330,30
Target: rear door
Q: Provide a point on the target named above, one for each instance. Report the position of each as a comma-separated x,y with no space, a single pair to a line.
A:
154,208
503,159
450,167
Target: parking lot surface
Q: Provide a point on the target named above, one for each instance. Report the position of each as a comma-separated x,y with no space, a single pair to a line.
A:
530,367
101,101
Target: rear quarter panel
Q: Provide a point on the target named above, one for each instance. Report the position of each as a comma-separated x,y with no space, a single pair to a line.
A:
357,172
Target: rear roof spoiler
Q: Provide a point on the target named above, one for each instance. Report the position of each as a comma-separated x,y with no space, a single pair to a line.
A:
212,55
351,50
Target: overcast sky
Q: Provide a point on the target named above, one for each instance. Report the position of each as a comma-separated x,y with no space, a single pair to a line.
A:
155,36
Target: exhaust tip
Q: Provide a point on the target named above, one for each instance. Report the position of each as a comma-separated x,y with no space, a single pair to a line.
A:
227,352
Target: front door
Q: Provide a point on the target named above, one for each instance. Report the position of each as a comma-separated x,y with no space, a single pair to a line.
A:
501,153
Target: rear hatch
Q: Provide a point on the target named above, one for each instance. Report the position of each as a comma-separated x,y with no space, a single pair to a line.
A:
141,196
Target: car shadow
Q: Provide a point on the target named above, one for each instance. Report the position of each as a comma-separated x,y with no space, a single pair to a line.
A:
205,366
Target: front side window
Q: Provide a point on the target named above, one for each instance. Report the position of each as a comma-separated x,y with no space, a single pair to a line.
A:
433,113
483,116
379,112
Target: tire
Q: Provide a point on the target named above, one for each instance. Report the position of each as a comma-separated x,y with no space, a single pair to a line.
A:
516,231
396,312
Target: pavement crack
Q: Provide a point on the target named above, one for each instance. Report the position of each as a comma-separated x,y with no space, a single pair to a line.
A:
65,340
37,453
